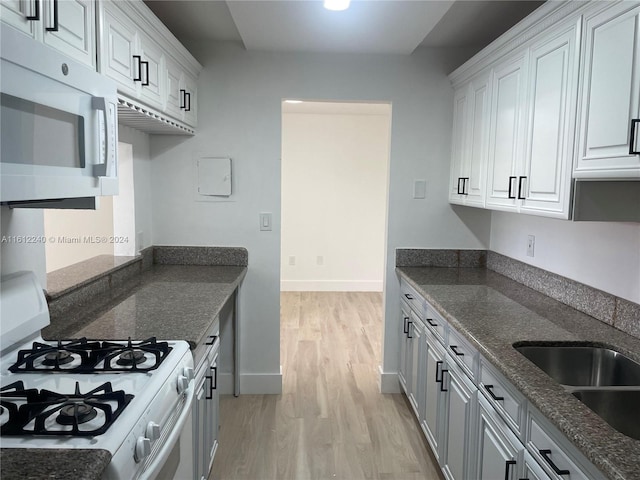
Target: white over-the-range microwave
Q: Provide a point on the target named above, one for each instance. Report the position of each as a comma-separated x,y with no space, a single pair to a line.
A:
59,130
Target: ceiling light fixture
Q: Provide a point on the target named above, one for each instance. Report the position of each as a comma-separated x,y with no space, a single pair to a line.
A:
336,5
293,101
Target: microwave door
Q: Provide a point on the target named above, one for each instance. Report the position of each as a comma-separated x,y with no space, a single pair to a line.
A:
57,140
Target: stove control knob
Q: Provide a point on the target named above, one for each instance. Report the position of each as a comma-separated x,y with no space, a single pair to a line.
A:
153,431
183,384
188,372
143,449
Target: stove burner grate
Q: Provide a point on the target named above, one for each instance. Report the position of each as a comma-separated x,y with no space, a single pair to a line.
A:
92,356
30,409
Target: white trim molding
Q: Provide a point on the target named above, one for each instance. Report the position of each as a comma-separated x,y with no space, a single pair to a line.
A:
388,381
261,383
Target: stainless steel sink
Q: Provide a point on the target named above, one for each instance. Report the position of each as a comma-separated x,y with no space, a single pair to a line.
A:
619,408
583,366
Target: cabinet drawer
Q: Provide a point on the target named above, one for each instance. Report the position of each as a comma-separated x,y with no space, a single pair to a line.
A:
504,397
413,299
436,324
463,352
554,453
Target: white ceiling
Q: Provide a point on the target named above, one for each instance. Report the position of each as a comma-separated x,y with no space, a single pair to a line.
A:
368,26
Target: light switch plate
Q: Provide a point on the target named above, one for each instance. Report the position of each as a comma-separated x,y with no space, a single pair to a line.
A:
265,222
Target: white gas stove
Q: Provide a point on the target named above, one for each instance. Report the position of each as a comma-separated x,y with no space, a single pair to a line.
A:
130,397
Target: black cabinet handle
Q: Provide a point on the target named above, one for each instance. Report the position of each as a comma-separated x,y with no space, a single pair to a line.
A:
405,327
438,365
442,389
409,296
409,323
546,454
632,136
145,83
460,191
464,185
431,322
489,388
214,382
454,349
212,341
507,467
36,15
520,189
182,98
55,18
138,77
509,195
188,107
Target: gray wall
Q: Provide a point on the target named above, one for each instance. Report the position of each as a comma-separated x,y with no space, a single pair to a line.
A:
239,104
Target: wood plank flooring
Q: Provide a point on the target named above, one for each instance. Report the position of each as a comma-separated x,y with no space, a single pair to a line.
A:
331,421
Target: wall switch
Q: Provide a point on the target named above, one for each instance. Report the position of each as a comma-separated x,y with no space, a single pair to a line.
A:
320,260
531,243
265,222
419,189
292,260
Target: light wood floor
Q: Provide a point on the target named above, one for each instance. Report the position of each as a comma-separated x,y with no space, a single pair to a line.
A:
330,422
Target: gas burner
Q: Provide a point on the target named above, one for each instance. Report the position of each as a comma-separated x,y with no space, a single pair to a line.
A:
61,357
77,412
131,357
33,412
91,356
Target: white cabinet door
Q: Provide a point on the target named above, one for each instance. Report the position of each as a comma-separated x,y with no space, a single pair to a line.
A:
190,97
199,433
459,142
118,49
152,72
416,381
545,182
433,404
533,471
461,401
499,451
506,138
211,419
70,26
174,94
478,140
25,15
404,344
610,94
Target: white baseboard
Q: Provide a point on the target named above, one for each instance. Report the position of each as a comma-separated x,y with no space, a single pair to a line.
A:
261,383
331,285
389,382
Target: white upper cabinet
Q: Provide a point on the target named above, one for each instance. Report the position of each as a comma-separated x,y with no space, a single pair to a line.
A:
506,138
610,94
544,184
66,25
149,65
470,142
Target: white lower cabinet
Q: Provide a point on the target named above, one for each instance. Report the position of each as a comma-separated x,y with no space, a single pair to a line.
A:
492,435
500,453
459,414
433,402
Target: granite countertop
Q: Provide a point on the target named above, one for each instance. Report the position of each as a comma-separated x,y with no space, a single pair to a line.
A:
170,302
494,312
48,464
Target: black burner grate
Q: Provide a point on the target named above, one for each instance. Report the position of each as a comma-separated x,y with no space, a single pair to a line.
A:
90,356
31,410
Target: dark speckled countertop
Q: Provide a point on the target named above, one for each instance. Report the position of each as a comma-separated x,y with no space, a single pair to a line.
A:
170,302
495,312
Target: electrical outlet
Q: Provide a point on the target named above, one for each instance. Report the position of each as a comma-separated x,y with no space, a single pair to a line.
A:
531,243
292,260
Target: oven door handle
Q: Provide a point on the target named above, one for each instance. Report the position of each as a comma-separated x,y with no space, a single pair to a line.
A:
155,467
